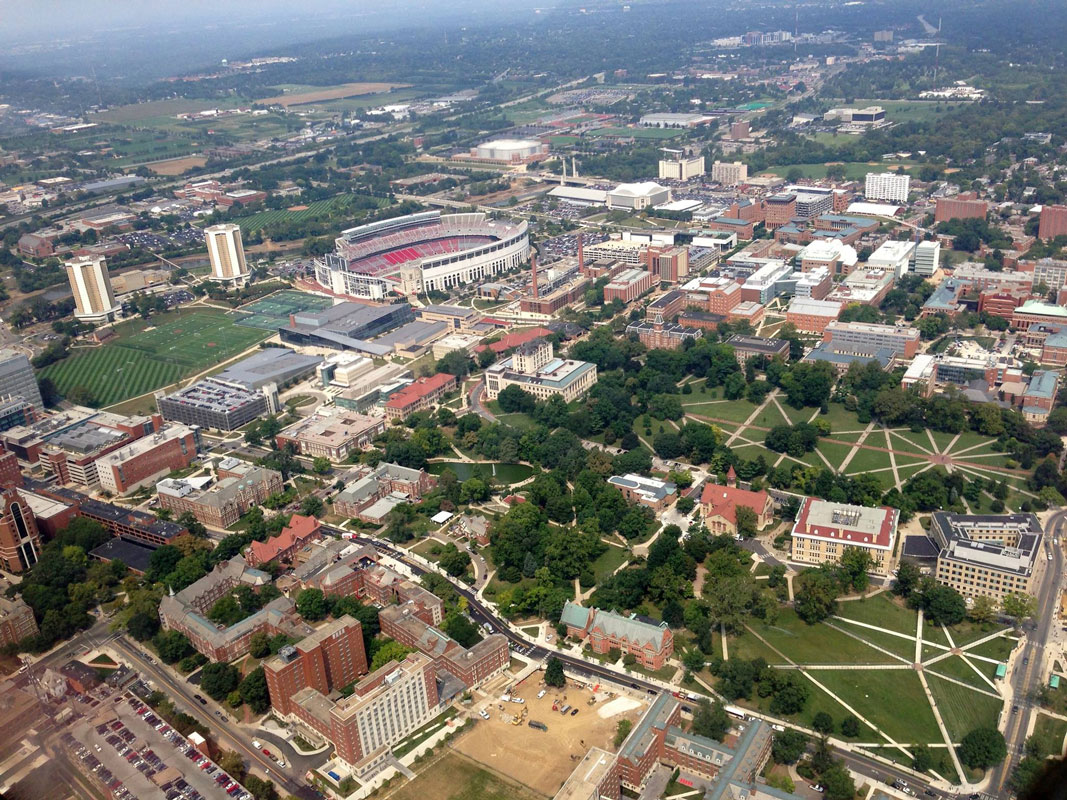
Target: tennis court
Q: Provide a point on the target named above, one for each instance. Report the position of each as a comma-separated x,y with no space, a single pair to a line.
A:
272,312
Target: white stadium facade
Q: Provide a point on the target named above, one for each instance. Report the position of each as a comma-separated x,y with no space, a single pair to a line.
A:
424,252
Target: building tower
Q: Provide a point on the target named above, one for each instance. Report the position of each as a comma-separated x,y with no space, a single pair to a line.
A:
227,253
533,270
17,379
94,298
20,541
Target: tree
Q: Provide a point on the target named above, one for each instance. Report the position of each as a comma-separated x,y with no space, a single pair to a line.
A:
554,673
311,604
838,782
850,727
907,580
259,645
685,504
710,720
261,789
218,680
460,628
855,563
815,599
982,748
622,730
983,609
253,690
172,646
321,465
230,761
746,521
693,660
192,524
788,746
454,561
922,759
943,605
142,626
388,651
1019,606
311,506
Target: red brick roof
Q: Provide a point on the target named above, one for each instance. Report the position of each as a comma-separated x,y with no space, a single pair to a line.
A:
514,340
723,501
299,530
420,388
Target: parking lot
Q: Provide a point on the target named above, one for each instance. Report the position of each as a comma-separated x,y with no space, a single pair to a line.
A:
135,754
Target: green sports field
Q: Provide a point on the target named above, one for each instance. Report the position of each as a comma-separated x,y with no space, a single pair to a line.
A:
272,311
149,355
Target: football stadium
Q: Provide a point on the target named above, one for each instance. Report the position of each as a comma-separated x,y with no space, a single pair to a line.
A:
424,252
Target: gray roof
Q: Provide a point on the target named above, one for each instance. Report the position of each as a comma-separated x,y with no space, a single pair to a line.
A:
615,625
269,365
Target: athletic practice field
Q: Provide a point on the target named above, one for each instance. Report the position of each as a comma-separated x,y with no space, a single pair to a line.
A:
148,355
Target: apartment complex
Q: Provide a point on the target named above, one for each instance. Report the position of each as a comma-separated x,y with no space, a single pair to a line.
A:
985,554
651,643
887,186
333,435
187,612
1053,222
676,166
962,206
16,621
226,252
282,548
94,299
729,173
534,368
331,658
824,530
239,486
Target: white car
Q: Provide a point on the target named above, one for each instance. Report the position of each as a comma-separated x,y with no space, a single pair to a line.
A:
281,764
542,693
483,714
256,744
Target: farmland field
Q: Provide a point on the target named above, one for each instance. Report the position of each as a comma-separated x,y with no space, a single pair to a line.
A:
153,354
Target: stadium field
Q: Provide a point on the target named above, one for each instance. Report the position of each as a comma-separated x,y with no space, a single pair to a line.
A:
152,354
272,311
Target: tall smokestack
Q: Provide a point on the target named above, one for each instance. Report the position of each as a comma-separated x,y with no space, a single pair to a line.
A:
533,269
581,252
563,175
574,167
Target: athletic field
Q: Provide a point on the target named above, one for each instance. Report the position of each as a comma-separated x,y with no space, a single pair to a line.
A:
272,311
152,354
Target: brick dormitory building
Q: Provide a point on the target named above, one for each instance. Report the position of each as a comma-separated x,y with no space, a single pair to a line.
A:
650,643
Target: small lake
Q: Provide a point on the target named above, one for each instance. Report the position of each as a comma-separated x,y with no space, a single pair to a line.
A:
501,473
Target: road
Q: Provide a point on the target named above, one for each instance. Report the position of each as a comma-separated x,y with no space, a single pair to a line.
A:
476,402
1030,668
858,763
227,733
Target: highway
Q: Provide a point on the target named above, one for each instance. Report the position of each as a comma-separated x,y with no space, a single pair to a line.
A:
1030,667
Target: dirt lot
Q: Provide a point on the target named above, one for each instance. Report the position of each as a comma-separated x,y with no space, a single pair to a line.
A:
541,760
331,93
176,166
455,777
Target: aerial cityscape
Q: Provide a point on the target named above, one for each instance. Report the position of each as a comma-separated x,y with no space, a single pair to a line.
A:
648,399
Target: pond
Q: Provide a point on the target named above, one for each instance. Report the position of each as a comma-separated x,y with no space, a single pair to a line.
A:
501,473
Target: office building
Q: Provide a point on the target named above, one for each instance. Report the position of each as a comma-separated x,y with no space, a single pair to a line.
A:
371,496
1053,222
1050,271
1036,311
534,368
833,254
628,285
226,253
239,486
16,621
277,365
780,210
334,435
422,395
651,643
864,286
651,492
144,460
980,278
660,335
815,284
824,530
20,541
17,379
894,256
812,316
746,347
94,299
762,286
926,258
729,173
331,658
986,555
887,186
676,166
866,337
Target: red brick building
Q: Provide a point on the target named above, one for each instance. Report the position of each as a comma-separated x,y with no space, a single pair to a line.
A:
812,316
651,644
331,658
16,621
1002,302
963,206
281,548
628,285
1053,222
20,541
141,462
719,505
421,395
780,209
10,473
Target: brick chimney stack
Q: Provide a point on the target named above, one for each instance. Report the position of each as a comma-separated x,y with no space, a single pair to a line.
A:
581,253
533,269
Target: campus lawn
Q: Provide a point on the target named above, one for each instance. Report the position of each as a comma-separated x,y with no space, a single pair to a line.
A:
847,436
880,610
752,451
867,460
796,415
841,419
770,417
899,646
457,778
969,439
818,701
911,442
943,440
891,699
999,648
608,562
1051,730
815,644
732,410
956,667
835,453
963,710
